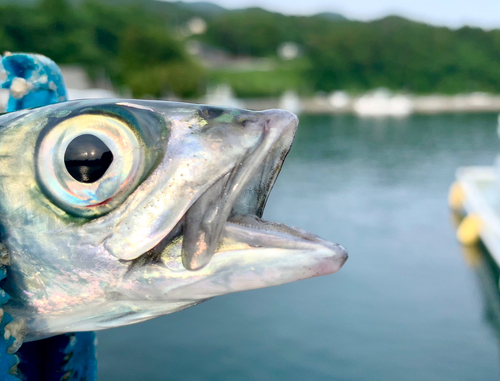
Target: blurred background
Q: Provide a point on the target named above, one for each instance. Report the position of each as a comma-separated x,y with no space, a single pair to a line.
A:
392,98
315,60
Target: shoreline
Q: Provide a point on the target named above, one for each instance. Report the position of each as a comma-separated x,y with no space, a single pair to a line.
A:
373,104
382,105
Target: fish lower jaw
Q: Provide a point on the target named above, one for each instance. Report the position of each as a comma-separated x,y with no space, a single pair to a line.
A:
244,233
257,232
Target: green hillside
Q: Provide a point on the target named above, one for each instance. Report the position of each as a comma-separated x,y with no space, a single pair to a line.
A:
141,45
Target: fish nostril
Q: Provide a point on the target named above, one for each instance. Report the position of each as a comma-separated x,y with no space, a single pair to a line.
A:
244,121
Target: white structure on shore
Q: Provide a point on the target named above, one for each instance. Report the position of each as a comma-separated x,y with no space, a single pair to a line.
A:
222,95
382,103
339,100
290,101
79,85
90,94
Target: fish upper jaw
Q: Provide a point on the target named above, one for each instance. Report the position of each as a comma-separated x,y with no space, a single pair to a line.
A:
205,178
223,229
196,157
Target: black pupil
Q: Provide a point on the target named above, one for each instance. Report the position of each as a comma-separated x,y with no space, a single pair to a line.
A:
87,158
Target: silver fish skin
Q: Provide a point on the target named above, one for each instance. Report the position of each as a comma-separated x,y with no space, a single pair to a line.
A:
175,219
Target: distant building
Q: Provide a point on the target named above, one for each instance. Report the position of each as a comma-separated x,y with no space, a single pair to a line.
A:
216,58
288,51
77,78
80,86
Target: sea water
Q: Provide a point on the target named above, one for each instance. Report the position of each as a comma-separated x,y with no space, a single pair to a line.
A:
406,306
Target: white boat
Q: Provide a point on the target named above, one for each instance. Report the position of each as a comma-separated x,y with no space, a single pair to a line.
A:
475,195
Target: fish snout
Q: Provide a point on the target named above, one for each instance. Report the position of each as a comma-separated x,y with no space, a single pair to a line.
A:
280,119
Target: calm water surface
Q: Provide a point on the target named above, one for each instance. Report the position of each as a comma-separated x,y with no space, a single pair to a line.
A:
406,306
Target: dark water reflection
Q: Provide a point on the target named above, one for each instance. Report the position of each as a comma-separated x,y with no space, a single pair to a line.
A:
488,277
405,306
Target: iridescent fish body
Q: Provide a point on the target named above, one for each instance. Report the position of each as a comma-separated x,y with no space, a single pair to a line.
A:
116,211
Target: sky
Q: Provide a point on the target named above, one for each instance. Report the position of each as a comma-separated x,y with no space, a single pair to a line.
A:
451,13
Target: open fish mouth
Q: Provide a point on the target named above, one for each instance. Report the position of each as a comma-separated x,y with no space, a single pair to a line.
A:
230,211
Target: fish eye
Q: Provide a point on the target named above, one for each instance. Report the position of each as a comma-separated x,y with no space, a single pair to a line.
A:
211,112
88,164
87,158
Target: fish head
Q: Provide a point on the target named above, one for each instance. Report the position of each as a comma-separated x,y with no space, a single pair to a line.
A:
117,211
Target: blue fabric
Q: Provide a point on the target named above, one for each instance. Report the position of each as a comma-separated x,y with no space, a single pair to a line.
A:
7,361
69,357
43,78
